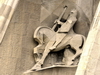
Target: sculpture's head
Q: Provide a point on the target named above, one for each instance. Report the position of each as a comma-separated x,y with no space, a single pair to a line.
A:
73,12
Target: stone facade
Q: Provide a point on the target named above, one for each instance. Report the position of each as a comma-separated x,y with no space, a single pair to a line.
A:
16,48
90,56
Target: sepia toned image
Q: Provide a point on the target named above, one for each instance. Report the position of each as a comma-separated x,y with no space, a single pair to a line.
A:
49,37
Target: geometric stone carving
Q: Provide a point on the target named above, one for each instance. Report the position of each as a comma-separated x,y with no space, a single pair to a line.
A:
60,37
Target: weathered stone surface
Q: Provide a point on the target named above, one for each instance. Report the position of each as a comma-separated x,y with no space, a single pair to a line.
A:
16,49
91,49
17,46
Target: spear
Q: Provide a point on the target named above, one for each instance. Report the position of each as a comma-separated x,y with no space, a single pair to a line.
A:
55,24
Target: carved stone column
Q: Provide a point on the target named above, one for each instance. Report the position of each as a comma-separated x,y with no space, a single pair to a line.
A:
91,50
7,8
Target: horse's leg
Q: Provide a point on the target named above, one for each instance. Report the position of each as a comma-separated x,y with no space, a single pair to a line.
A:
76,43
40,62
68,56
78,52
37,51
45,53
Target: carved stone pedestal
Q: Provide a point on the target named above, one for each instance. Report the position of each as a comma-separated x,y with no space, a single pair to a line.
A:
54,71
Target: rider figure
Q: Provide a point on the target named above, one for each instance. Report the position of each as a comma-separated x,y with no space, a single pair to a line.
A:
65,28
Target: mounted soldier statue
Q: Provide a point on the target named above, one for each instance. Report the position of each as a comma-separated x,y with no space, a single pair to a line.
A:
60,37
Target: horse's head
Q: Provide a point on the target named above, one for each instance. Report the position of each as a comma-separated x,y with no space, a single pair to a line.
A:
73,12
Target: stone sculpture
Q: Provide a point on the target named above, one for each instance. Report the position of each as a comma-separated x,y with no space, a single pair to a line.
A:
61,36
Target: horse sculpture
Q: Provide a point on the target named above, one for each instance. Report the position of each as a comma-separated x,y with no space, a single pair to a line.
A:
52,41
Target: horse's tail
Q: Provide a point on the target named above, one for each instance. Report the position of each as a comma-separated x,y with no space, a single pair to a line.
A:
37,34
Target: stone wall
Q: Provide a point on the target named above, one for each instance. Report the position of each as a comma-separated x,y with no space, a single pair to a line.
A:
16,49
90,58
16,54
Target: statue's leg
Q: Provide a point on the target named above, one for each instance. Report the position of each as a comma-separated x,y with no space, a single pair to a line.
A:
45,53
68,56
40,62
36,51
76,42
78,53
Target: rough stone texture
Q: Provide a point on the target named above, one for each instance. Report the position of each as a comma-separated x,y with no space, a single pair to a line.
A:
88,64
86,6
16,49
7,9
95,4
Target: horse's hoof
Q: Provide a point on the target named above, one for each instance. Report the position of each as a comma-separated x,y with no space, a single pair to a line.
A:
28,71
70,63
35,67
